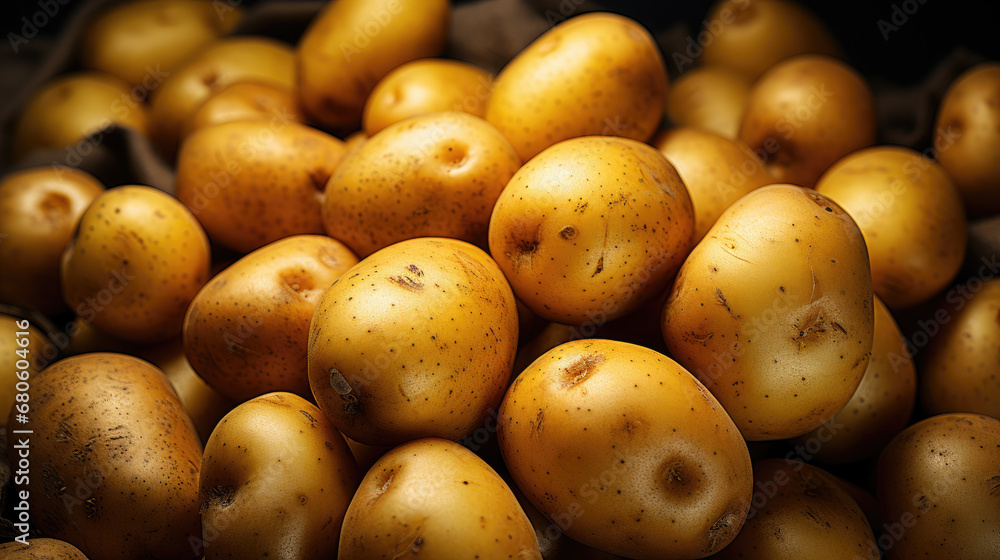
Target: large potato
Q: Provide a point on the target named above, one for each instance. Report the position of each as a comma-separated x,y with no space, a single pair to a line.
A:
593,74
246,331
136,262
276,480
246,101
773,311
39,211
434,498
351,44
41,549
23,350
435,175
911,217
417,340
709,98
114,459
625,451
591,228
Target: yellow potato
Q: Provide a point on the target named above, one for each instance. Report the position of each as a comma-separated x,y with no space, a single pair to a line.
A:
41,549
39,209
433,175
434,498
910,214
23,353
773,311
351,44
591,228
709,98
625,451
276,480
137,261
246,101
593,74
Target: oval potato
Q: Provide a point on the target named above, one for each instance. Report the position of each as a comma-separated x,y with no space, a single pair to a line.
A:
13,356
709,98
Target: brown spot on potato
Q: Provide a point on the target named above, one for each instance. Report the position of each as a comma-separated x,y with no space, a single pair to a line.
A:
408,283
339,383
809,328
723,530
582,368
600,267
537,423
523,239
220,496
298,280
568,232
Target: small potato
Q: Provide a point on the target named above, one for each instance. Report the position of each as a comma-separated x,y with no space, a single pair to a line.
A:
417,340
246,101
709,98
806,113
19,363
40,209
73,106
937,483
276,480
626,451
434,498
591,228
593,74
434,175
246,331
41,549
424,86
251,183
910,214
137,260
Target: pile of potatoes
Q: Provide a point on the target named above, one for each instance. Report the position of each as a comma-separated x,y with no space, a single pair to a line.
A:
396,307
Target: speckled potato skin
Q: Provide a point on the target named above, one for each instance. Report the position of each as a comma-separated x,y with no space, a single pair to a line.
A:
595,74
879,408
939,480
709,98
910,214
275,482
591,228
39,211
38,346
246,101
114,459
434,498
418,340
625,451
136,262
41,549
254,182
801,511
246,332
773,311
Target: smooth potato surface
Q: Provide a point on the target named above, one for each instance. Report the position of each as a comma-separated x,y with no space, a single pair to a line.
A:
246,101
710,98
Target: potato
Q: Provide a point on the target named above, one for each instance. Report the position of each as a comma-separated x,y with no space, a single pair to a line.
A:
880,407
41,549
23,350
773,311
246,331
436,175
967,137
139,40
593,74
39,208
806,113
355,140
911,217
434,498
716,171
709,98
114,459
224,62
959,368
73,106
136,262
937,484
417,340
571,262
246,101
251,183
625,451
276,480
351,44
801,511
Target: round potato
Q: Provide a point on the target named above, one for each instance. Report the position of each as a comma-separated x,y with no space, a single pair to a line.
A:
433,175
136,262
23,351
417,340
911,216
246,101
625,451
41,549
773,311
434,498
709,98
40,209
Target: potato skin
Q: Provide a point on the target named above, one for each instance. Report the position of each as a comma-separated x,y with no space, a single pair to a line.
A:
41,549
938,479
418,340
116,459
276,480
246,101
434,498
626,451
37,348
246,332
773,311
709,98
